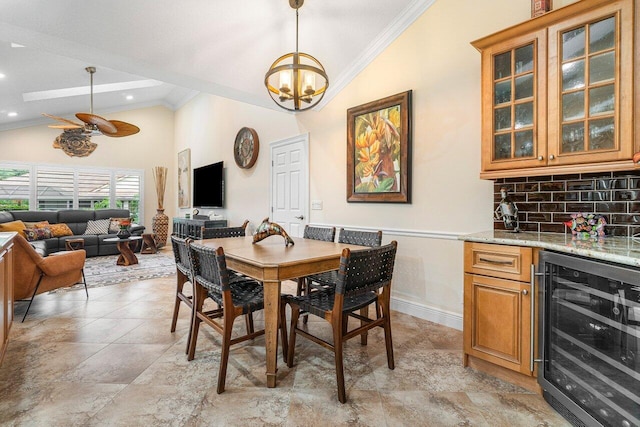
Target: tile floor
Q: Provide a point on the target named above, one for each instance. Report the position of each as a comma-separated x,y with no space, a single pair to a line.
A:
111,361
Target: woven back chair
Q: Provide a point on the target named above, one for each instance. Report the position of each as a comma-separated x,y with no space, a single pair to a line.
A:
236,295
364,278
361,238
325,234
183,275
220,232
352,237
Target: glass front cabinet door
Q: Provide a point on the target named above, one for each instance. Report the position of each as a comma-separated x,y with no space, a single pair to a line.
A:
558,91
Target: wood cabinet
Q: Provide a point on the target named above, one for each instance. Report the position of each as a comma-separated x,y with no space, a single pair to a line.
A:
6,289
184,227
558,92
498,321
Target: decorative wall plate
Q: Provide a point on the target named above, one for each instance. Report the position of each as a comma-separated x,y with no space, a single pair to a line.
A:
246,148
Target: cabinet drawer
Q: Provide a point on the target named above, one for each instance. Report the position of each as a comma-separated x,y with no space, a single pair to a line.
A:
507,262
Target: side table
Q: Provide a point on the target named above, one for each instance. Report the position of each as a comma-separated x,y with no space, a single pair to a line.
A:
127,257
149,244
74,244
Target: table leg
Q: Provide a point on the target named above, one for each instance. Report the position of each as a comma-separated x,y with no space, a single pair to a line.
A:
271,315
127,257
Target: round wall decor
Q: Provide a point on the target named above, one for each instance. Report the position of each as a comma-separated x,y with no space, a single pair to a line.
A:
246,148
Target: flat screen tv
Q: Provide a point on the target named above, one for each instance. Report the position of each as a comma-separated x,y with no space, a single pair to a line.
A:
208,186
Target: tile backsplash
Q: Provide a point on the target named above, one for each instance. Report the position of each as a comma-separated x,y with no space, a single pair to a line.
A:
546,202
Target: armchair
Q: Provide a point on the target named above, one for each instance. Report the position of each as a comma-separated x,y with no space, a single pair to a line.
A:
34,274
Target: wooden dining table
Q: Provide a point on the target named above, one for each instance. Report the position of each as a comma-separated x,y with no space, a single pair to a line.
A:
270,262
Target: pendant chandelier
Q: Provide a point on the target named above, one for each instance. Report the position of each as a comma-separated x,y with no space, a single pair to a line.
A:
296,81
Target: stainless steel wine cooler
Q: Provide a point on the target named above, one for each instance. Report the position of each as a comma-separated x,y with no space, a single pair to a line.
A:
589,340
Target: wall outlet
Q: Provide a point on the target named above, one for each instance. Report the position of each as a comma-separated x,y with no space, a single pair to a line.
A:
316,205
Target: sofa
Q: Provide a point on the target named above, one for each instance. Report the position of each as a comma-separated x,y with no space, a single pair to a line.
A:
76,220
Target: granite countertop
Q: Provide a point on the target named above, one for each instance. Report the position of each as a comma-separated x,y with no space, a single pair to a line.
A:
622,250
5,237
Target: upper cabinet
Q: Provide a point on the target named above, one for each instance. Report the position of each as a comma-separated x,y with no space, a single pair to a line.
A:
558,92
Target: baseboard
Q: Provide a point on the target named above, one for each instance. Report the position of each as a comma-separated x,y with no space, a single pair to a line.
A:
431,314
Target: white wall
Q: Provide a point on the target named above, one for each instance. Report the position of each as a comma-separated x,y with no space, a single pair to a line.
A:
152,146
208,126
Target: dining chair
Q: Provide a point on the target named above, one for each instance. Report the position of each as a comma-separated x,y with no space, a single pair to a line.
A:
325,234
352,237
237,297
220,232
183,275
364,278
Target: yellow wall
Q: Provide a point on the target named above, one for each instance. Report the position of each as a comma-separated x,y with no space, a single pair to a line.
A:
208,126
153,146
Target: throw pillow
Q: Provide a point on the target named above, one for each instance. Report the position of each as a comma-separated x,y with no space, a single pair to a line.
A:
59,230
100,226
13,226
39,224
114,225
33,234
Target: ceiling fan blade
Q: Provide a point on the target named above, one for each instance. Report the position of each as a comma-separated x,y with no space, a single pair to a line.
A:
124,129
103,124
66,126
63,120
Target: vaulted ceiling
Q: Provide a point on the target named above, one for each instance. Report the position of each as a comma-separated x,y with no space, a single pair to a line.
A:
163,52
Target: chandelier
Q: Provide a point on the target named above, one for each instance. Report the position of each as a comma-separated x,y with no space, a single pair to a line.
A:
296,81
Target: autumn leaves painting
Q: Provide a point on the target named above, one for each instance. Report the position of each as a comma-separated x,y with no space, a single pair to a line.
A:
378,150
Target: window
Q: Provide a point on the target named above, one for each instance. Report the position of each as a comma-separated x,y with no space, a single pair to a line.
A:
14,188
48,187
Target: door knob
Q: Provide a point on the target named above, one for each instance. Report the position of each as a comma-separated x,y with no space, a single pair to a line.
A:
301,217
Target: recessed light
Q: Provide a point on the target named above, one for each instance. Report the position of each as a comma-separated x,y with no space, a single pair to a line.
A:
12,114
129,97
2,76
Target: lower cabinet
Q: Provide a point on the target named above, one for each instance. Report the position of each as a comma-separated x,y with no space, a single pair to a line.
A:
6,294
499,314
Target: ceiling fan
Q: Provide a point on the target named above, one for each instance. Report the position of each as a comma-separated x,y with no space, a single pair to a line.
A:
94,125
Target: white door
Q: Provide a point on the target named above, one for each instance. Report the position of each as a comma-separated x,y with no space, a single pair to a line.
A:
290,183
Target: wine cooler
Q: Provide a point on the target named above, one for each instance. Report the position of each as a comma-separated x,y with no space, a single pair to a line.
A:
589,340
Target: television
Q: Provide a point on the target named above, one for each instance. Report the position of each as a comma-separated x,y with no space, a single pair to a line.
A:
208,186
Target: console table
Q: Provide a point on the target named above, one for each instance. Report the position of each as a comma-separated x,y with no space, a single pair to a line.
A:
184,227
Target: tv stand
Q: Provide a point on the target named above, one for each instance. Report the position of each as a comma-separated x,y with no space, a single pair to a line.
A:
185,227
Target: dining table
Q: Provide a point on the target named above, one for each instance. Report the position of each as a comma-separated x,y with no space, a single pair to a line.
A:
269,261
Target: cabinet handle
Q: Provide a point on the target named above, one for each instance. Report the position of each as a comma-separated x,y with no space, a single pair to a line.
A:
525,292
541,158
532,283
551,157
495,261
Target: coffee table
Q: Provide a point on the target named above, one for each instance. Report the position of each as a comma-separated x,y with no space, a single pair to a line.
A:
127,257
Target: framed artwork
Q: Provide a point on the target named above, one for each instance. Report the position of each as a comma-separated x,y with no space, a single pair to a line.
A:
184,178
379,150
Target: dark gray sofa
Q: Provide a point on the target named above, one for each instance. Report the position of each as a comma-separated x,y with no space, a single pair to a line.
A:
77,220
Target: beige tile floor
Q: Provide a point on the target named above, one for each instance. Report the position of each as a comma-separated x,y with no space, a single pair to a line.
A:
111,361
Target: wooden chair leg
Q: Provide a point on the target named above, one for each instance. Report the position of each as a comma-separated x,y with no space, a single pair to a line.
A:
337,349
198,297
224,356
364,312
249,322
307,289
295,314
387,333
176,308
283,330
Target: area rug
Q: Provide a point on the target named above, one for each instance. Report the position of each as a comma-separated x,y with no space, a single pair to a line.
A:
103,270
